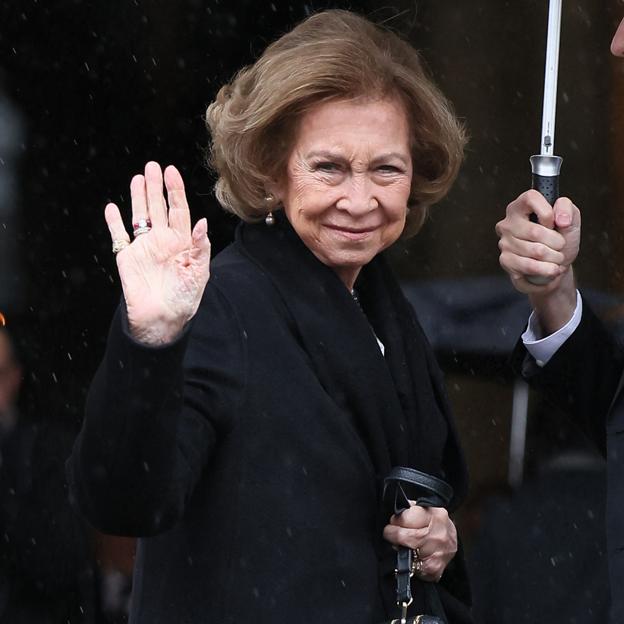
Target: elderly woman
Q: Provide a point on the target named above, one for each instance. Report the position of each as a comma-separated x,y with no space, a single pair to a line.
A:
242,425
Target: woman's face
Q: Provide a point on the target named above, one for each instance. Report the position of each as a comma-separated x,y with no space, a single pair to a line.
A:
348,181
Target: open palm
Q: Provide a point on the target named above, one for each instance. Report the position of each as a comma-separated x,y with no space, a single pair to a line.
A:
164,271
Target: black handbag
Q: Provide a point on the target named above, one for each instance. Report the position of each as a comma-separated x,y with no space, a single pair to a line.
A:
401,486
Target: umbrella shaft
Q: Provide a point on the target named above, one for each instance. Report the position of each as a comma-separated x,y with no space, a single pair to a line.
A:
550,78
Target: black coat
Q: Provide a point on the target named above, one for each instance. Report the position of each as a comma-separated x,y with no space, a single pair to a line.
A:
584,378
249,455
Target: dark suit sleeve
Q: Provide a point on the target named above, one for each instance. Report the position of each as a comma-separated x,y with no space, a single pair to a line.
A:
154,417
582,377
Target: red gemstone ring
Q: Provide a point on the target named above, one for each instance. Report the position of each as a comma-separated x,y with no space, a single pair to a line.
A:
142,226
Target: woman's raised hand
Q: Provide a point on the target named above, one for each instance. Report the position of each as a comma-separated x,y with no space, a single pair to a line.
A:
164,270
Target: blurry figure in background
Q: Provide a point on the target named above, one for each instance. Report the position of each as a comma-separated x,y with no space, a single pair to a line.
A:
10,382
11,149
46,573
115,559
540,552
566,352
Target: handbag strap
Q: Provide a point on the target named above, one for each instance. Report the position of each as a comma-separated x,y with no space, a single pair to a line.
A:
405,484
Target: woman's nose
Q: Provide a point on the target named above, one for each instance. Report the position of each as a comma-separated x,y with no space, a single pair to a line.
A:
358,197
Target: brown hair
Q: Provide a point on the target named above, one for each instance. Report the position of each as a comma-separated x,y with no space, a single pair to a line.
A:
334,54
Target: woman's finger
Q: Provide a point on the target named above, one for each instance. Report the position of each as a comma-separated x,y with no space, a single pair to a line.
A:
138,199
179,214
115,224
413,518
425,551
156,206
201,242
431,569
401,536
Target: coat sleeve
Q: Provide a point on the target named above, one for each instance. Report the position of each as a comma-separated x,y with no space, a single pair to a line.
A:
154,417
583,376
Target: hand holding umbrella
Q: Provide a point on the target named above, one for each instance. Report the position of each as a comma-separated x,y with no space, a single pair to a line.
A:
546,166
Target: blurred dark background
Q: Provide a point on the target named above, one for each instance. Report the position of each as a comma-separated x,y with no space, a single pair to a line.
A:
89,91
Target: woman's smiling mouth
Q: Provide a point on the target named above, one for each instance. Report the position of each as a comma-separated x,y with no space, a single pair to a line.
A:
350,232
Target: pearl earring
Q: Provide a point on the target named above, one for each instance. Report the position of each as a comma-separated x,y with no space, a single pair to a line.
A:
270,201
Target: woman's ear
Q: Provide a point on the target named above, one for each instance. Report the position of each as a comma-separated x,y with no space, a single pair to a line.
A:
274,193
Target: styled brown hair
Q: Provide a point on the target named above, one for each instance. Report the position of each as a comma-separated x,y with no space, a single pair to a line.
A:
331,55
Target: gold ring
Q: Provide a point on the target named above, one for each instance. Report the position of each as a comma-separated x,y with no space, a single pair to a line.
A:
119,244
416,562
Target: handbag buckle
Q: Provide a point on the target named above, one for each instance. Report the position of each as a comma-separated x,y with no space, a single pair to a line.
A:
404,606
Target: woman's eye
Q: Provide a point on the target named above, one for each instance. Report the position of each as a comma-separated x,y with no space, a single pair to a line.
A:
328,167
388,169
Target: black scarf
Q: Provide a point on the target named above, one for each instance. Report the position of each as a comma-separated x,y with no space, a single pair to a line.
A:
397,402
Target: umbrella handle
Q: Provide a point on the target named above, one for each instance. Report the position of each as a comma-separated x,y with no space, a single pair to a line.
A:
545,170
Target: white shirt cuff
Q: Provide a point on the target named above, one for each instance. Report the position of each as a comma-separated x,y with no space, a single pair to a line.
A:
542,349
